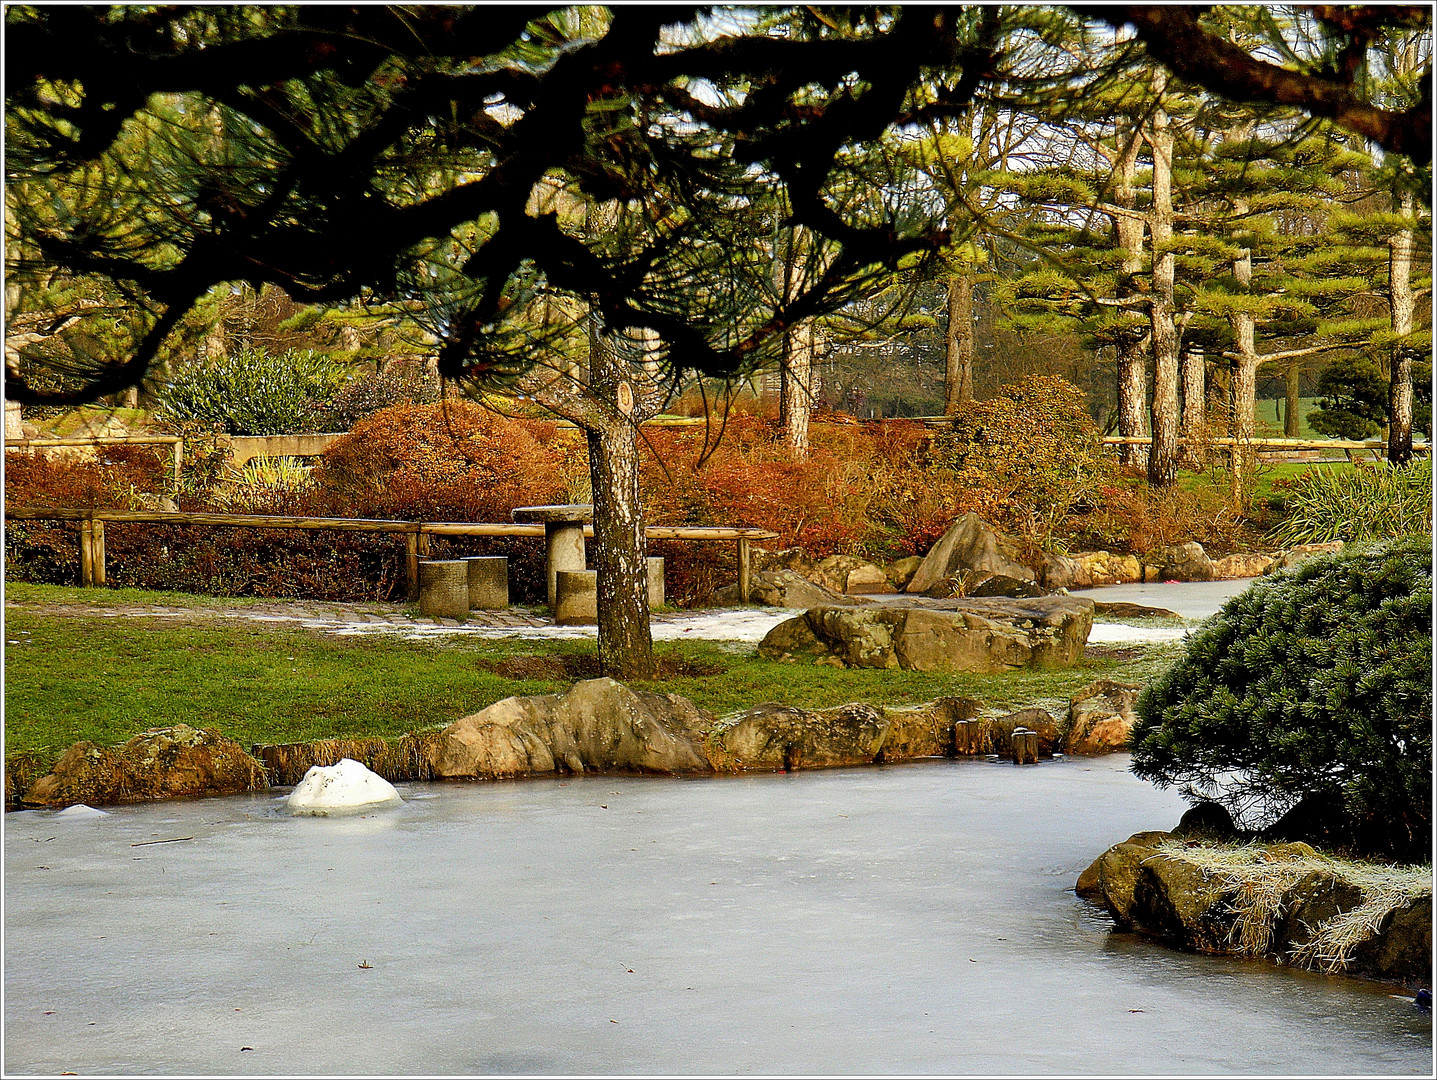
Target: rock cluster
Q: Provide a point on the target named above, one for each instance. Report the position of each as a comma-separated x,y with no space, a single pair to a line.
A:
976,635
163,763
1295,906
597,726
973,559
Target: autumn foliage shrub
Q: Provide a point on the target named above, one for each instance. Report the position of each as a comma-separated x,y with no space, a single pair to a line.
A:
1033,448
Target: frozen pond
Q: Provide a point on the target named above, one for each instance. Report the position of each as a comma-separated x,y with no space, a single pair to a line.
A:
1190,599
913,919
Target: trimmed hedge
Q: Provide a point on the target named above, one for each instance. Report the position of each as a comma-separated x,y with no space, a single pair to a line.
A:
1313,686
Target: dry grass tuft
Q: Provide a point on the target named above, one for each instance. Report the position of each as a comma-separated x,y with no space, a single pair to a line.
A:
1258,878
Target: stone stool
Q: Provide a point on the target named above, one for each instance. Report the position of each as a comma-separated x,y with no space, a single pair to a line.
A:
576,602
656,581
488,582
563,538
444,587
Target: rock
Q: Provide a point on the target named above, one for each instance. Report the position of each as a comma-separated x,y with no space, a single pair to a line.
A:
1402,946
1100,718
1122,610
1178,901
794,558
1116,874
901,571
82,812
598,724
1231,567
162,763
786,589
868,579
339,788
1206,821
970,544
1291,557
1087,569
1317,897
1313,820
970,635
835,572
773,736
1000,731
1183,562
982,583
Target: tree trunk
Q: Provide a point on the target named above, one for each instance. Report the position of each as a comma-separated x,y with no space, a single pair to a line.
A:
1163,453
1291,418
1399,396
796,389
1194,422
626,649
958,369
1242,423
1131,341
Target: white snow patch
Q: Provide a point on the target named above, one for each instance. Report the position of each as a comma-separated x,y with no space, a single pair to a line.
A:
1112,633
329,789
80,810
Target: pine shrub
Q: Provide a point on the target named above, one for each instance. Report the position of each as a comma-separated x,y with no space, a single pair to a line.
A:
1313,685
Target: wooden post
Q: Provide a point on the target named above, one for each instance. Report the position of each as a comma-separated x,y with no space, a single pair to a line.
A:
743,574
97,552
1025,747
411,565
87,555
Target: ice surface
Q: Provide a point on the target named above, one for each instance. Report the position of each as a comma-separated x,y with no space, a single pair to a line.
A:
330,789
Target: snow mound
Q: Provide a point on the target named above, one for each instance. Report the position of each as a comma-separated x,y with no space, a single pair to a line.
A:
333,789
80,810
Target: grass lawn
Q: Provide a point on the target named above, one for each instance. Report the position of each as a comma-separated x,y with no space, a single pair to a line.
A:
105,678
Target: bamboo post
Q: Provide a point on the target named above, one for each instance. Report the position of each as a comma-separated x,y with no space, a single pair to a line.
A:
411,565
743,574
97,552
87,556
179,463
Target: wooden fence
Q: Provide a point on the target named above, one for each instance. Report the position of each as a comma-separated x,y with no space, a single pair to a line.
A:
416,533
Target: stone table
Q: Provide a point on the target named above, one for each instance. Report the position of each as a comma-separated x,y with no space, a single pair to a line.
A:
563,537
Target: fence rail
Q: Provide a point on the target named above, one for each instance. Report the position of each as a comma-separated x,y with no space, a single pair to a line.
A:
416,533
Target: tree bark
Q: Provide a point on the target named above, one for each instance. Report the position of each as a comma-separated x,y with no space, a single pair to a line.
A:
1163,452
1291,418
1194,422
626,649
1242,424
1131,348
1399,395
795,403
958,367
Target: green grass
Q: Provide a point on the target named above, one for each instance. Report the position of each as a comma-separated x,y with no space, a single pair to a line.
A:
105,679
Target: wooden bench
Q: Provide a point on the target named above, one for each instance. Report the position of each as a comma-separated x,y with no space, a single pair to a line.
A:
416,533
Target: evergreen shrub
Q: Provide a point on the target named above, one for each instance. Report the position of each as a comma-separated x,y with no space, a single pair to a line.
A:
1313,686
253,392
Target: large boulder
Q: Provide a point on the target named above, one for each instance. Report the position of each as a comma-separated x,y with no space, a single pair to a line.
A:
773,736
969,635
1241,565
1100,718
162,763
970,544
1285,901
850,574
599,725
786,589
1284,560
980,583
1089,568
1183,562
900,572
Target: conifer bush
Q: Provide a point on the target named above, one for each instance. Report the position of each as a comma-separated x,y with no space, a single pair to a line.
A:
1314,686
253,392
